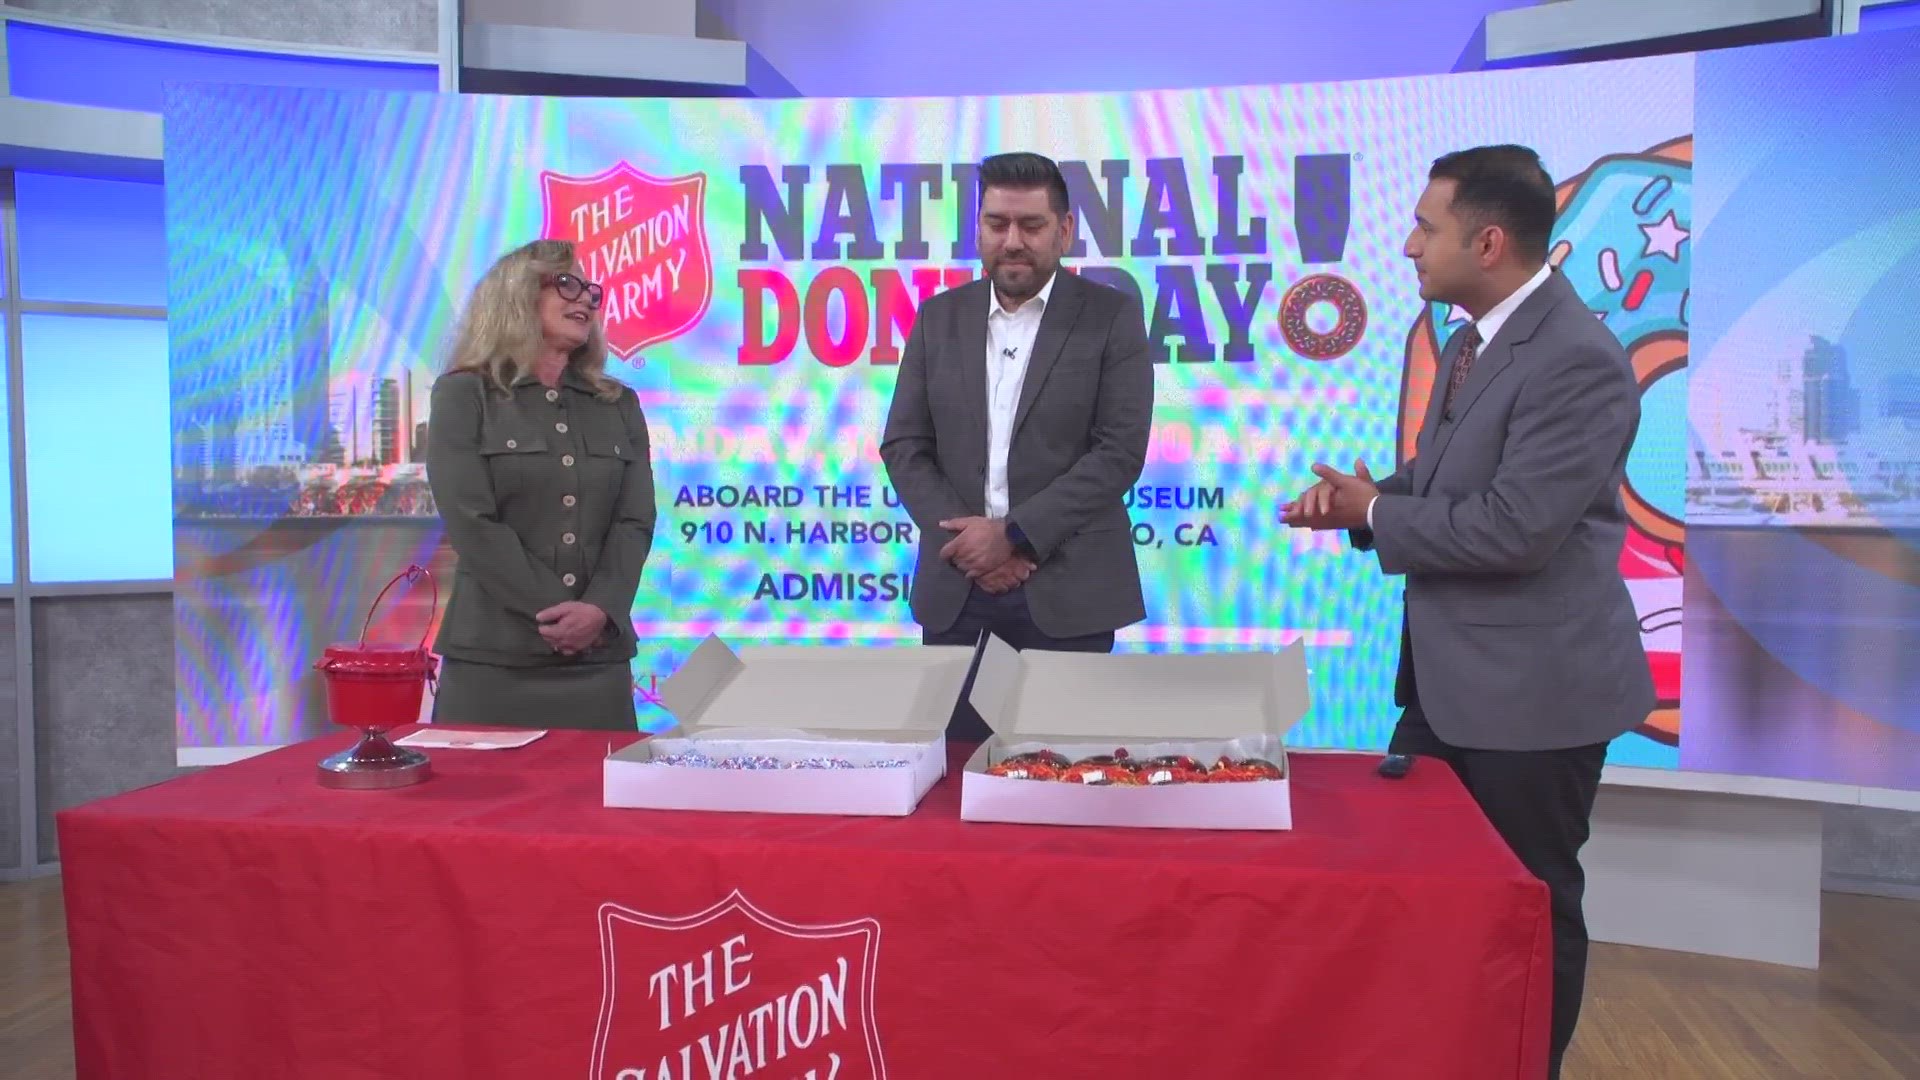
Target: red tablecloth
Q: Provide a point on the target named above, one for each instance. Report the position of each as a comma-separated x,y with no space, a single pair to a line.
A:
497,921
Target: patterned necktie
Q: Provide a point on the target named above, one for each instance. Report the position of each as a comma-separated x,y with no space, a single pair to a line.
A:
1469,348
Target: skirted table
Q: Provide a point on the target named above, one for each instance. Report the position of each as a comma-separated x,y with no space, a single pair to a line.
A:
498,921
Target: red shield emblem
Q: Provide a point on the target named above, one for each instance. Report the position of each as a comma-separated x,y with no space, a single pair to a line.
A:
644,239
733,991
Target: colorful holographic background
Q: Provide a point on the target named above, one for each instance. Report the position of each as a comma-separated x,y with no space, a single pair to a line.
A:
321,244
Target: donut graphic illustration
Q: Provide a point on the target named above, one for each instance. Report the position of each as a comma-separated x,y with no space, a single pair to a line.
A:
1351,317
1624,241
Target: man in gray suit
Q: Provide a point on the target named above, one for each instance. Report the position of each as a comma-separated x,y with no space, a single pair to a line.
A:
1019,420
1520,655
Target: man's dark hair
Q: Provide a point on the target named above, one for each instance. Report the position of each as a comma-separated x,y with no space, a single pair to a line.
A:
1505,186
1026,171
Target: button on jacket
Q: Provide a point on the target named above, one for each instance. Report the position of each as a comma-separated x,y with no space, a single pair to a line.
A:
547,496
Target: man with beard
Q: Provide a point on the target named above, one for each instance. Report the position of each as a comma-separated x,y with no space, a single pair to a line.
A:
1019,420
1520,654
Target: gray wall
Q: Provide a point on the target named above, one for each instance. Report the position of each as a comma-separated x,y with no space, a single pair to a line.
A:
9,746
1873,851
407,25
102,698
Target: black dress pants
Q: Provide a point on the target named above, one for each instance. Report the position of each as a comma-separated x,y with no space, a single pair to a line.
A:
1006,617
1540,802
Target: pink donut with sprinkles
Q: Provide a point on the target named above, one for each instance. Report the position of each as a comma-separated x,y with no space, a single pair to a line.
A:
1346,331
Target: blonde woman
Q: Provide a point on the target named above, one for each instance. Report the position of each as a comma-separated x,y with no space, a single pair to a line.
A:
540,465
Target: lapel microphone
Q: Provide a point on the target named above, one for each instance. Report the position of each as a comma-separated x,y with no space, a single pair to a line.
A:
1008,353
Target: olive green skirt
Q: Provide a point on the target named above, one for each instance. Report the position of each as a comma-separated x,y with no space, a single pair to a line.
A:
597,697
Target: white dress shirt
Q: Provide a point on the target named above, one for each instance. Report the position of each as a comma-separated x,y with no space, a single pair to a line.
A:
1489,325
1010,336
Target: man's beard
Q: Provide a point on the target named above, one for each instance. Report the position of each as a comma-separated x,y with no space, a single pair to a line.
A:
1024,290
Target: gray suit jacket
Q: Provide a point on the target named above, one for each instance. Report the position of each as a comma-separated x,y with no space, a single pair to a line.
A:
1079,442
1519,632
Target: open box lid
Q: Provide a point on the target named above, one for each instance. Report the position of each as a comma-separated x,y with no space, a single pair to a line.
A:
841,692
1042,696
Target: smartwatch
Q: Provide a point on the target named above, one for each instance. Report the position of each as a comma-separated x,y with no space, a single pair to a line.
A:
1021,544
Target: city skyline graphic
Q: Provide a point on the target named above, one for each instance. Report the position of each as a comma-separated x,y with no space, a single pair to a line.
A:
1808,443
311,436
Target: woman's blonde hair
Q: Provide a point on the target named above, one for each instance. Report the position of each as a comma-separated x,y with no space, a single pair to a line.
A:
499,333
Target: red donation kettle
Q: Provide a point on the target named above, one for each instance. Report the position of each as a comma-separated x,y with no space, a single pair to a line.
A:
374,687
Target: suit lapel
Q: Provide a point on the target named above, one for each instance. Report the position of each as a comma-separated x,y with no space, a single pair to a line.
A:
1424,456
971,310
1063,307
1493,359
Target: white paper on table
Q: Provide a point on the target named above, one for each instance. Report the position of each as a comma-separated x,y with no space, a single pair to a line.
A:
447,739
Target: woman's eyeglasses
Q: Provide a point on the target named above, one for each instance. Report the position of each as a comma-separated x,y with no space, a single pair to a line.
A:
570,288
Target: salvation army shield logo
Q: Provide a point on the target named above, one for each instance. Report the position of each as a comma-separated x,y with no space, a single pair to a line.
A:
733,992
644,239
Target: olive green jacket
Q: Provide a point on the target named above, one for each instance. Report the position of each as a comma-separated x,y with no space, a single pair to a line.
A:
547,496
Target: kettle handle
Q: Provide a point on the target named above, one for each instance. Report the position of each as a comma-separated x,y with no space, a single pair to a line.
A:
411,573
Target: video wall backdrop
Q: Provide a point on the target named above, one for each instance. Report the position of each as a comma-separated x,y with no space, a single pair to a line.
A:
763,261
93,336
1803,492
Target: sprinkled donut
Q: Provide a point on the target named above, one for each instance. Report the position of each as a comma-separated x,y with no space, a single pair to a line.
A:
1346,332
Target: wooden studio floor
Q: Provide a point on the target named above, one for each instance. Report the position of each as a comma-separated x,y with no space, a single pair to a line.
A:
1650,1015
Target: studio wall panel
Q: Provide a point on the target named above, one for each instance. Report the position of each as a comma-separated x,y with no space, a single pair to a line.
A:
103,699
9,746
354,24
